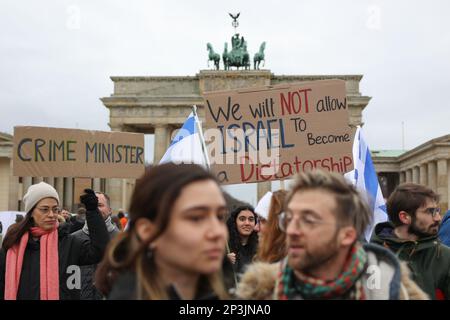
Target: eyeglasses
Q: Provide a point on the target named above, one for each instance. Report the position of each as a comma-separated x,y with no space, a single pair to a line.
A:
433,211
46,210
304,222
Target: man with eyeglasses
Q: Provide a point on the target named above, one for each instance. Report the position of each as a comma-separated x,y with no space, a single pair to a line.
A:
411,234
324,220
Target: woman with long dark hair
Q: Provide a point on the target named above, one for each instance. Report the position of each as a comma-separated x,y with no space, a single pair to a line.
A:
175,243
243,242
38,255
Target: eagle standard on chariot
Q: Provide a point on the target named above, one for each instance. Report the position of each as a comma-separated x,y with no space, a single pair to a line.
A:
238,56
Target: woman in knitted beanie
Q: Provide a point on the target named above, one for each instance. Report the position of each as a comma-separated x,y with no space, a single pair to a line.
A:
40,259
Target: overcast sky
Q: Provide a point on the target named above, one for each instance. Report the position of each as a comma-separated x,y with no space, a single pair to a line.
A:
57,56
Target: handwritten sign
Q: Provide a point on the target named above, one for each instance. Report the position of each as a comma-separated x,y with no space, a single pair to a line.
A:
273,132
55,152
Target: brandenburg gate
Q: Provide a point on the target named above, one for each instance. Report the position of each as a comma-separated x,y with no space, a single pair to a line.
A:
160,105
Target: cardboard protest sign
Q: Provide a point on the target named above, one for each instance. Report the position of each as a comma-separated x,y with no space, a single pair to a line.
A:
273,132
79,184
55,152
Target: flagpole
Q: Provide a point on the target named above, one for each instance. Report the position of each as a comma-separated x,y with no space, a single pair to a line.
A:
202,139
234,273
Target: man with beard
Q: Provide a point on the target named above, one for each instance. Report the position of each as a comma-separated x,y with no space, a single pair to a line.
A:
324,220
411,234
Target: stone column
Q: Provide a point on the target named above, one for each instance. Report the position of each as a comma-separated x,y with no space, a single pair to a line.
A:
125,194
37,180
26,183
103,184
14,190
114,191
423,176
68,193
130,189
161,138
113,186
59,186
442,182
415,175
432,183
50,181
402,176
409,175
96,184
263,188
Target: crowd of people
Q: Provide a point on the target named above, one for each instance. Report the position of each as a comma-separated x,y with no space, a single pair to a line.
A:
182,239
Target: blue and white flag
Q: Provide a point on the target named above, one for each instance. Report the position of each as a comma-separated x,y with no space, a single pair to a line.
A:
364,177
186,147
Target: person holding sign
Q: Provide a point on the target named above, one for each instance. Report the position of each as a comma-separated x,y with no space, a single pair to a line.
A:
175,243
39,259
243,237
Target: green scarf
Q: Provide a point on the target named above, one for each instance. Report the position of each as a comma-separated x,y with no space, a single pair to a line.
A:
291,287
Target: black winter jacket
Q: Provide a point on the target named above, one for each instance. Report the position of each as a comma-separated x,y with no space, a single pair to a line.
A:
125,288
88,290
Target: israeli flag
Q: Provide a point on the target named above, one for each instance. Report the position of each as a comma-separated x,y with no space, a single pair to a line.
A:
364,177
186,147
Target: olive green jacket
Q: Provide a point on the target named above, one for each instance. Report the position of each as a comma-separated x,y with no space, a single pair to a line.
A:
428,258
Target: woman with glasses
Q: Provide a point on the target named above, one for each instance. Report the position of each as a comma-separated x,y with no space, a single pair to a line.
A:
243,242
39,257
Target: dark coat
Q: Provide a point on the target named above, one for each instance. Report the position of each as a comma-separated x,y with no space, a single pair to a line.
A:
125,288
88,290
244,257
428,258
76,224
72,252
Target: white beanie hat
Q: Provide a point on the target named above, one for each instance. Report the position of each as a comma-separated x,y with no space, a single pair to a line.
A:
262,209
36,193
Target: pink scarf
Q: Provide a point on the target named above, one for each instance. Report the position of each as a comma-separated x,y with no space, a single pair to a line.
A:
49,267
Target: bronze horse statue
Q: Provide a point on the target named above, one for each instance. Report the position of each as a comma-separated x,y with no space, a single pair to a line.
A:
259,56
246,57
226,57
213,56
